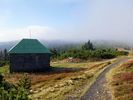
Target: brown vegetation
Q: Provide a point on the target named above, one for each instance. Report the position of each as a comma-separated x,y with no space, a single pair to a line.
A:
121,81
54,74
65,80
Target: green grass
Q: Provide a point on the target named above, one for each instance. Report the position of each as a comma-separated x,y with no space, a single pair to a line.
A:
4,69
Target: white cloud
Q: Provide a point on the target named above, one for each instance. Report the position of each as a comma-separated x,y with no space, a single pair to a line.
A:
36,29
39,32
109,19
100,19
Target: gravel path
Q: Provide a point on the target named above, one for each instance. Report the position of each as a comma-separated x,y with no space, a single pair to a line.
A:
98,90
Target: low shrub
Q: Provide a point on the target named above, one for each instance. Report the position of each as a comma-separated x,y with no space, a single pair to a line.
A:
3,63
91,54
10,91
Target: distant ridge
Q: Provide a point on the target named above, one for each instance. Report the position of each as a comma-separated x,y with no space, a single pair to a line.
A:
61,43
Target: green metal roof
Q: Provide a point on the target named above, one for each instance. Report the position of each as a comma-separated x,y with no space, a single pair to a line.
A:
29,46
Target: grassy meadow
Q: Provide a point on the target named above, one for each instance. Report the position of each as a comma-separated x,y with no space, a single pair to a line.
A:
120,80
64,81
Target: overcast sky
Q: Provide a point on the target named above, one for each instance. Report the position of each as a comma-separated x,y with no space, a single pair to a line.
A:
66,19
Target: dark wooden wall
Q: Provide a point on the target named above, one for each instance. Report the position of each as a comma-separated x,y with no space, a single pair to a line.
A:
29,62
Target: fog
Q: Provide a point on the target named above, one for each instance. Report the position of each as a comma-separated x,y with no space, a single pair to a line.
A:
83,19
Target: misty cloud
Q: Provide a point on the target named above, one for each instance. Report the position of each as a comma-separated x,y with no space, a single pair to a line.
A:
86,19
111,19
40,32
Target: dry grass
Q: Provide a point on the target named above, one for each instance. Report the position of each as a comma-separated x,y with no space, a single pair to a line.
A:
65,81
121,81
71,85
39,77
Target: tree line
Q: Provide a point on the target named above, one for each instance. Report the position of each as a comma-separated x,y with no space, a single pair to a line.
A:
4,57
87,51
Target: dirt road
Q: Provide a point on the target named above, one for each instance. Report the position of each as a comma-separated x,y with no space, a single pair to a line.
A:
98,90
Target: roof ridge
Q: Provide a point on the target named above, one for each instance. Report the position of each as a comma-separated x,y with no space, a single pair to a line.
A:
28,39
